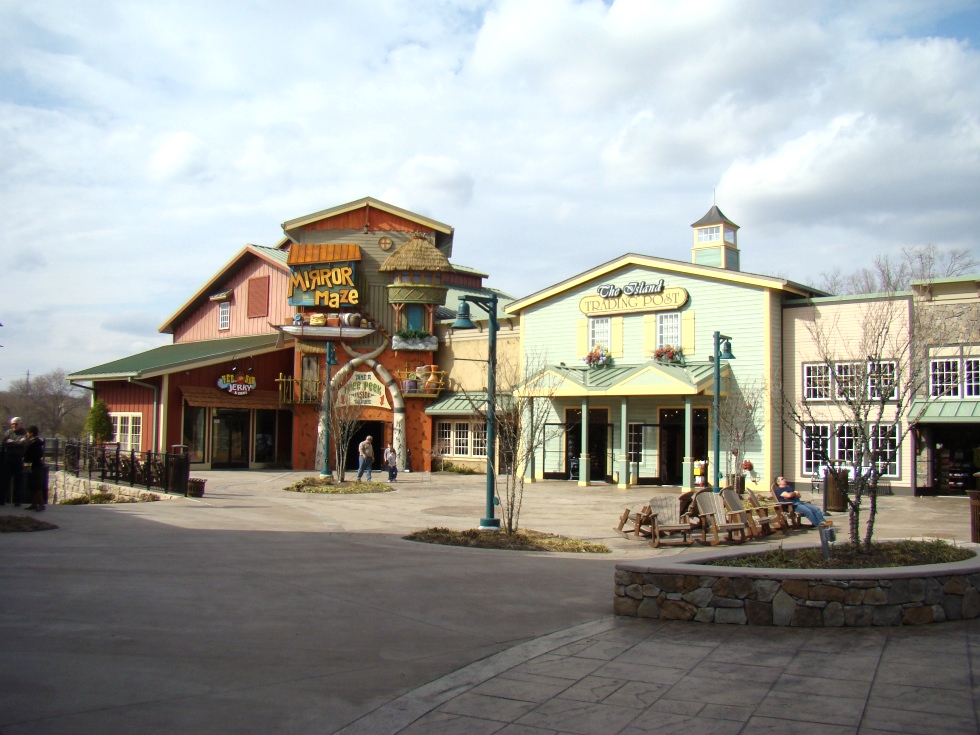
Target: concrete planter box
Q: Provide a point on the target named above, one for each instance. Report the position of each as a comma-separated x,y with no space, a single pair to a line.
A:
811,598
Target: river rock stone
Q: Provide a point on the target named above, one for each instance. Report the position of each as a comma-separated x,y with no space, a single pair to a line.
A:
853,596
648,608
635,591
730,616
807,617
971,603
726,602
899,592
875,596
758,613
953,605
723,588
917,590
743,586
669,582
783,607
826,593
766,589
651,590
797,587
625,606
918,615
705,615
955,586
858,616
934,592
699,597
677,610
888,615
833,615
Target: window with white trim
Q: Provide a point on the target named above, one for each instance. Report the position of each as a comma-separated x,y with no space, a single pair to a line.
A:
884,445
599,331
816,382
971,377
634,443
461,438
127,429
709,234
816,447
848,379
224,315
669,330
881,379
847,443
944,378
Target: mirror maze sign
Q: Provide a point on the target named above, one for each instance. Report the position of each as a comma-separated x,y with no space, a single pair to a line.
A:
330,285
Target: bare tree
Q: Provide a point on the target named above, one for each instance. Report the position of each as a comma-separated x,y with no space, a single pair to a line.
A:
888,275
344,419
867,370
48,400
740,417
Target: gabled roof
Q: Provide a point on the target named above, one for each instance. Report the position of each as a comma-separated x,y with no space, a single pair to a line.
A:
676,266
646,379
310,253
182,355
714,217
368,201
273,256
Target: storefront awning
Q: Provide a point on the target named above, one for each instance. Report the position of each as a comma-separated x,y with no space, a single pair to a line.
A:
945,412
217,398
466,404
648,379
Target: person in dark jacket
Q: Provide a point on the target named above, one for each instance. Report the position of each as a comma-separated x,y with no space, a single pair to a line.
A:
14,446
35,470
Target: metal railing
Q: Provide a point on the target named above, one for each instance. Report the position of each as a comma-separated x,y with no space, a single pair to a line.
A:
303,390
111,463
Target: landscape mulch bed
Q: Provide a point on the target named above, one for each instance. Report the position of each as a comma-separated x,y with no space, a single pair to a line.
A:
523,540
16,524
331,487
883,554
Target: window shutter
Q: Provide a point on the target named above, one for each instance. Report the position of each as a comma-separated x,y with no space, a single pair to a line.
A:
258,297
687,333
649,335
583,337
616,336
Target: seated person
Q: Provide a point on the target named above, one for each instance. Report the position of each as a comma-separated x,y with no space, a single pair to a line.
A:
811,512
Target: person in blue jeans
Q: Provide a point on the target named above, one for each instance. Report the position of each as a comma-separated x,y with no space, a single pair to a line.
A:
365,450
811,512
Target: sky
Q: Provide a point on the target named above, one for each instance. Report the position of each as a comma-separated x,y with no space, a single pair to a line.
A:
143,144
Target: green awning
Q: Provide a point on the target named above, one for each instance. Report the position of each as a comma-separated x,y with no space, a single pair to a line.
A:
465,404
182,355
948,411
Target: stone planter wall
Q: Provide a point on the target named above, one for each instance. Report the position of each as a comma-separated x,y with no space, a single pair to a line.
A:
689,590
62,486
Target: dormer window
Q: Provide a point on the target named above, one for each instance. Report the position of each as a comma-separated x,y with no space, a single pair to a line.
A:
709,234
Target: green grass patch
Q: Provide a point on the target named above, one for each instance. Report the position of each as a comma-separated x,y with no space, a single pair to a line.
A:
17,524
885,554
331,487
523,540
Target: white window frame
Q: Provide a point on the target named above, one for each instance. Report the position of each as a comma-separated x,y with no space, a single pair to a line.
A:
224,316
461,438
845,444
944,377
444,437
817,381
600,331
669,330
478,439
709,234
634,443
882,373
815,436
971,377
123,423
847,375
890,465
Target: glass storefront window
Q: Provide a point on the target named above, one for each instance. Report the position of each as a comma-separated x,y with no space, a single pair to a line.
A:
194,429
265,435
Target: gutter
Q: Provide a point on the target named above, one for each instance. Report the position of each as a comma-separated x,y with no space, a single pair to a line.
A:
156,406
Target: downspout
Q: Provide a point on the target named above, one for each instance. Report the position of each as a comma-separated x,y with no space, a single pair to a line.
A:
156,407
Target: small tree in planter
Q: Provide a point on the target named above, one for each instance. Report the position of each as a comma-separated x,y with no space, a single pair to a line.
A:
98,425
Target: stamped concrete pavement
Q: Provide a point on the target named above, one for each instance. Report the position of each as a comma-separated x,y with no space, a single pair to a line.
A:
255,610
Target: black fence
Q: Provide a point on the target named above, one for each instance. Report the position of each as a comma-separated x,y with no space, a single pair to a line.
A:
110,463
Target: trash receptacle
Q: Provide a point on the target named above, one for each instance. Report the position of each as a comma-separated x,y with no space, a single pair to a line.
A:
974,516
195,487
833,498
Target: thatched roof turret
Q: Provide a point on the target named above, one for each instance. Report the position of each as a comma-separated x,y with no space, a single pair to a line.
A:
418,254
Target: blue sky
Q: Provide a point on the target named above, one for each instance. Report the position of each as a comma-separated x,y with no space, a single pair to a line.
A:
143,144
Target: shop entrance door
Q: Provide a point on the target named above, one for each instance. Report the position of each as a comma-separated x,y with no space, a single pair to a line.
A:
229,438
672,442
374,429
600,435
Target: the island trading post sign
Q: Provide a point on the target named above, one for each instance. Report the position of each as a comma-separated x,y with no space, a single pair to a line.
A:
363,389
636,296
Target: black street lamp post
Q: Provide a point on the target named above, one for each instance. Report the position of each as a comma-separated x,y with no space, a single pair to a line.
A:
723,351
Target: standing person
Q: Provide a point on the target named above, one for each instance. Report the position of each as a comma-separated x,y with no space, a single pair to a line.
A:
365,450
391,463
34,469
812,513
14,446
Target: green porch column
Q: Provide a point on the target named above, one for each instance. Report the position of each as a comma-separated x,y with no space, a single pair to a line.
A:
583,457
529,437
624,463
687,468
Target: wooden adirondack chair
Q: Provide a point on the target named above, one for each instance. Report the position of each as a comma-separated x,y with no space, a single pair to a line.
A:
795,520
634,523
666,520
774,510
755,520
715,518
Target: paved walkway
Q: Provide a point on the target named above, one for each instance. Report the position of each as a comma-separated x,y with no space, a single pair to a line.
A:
258,611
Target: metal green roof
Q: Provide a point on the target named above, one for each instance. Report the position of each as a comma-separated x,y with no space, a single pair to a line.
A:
949,411
604,378
168,358
465,403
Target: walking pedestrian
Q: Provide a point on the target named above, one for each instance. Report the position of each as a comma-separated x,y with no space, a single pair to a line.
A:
365,450
391,463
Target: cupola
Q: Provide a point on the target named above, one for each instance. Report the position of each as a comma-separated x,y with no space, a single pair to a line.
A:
416,289
715,241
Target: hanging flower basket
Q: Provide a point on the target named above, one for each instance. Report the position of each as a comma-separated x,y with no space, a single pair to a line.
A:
747,466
